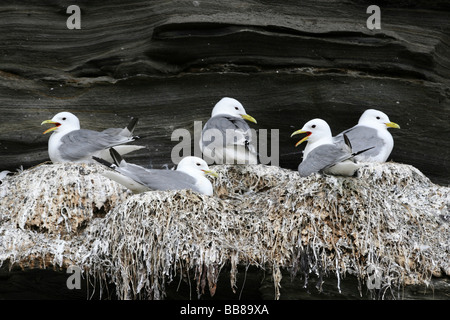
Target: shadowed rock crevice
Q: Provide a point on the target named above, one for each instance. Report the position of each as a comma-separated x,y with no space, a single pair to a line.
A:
216,44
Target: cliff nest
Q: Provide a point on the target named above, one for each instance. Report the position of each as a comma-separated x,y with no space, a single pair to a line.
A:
388,227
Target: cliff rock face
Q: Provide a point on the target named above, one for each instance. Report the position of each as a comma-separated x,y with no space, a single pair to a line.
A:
169,62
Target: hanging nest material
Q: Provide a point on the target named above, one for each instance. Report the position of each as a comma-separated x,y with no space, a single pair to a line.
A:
58,199
390,225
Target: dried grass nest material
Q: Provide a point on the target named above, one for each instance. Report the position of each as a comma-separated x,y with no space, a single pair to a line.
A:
391,218
58,199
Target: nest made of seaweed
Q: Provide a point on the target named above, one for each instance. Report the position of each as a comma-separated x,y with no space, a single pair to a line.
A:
391,218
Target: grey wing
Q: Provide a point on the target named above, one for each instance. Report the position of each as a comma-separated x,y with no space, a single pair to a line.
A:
165,180
322,158
114,131
81,143
239,131
362,137
126,132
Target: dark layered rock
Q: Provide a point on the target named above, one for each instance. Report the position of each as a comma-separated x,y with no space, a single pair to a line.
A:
169,62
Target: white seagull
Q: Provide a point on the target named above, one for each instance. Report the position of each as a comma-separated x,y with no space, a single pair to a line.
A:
322,155
371,131
69,143
226,136
190,174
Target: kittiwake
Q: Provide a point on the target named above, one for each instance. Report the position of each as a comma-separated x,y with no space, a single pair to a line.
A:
69,143
190,174
226,136
371,131
322,155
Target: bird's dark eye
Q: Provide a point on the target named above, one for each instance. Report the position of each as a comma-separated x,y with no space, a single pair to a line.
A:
64,118
236,108
378,118
198,164
313,126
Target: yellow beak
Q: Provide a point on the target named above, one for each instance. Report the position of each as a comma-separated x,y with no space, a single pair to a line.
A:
248,118
57,124
211,173
392,125
299,132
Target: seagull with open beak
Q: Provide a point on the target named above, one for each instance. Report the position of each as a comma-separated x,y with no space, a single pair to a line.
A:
322,155
70,143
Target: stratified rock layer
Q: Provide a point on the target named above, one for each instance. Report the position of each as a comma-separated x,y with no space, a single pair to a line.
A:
169,62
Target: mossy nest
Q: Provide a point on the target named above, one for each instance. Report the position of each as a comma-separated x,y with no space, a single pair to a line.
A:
390,218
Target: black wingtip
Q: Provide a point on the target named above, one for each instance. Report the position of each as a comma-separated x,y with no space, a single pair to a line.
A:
117,158
359,152
347,141
102,161
132,125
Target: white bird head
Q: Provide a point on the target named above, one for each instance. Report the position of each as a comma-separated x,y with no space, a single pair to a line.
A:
376,119
63,121
316,130
231,107
195,166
